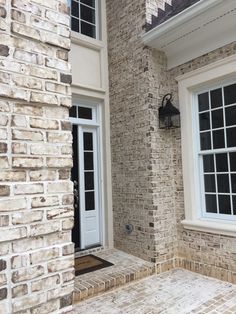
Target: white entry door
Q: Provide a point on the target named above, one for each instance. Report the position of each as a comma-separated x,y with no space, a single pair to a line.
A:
88,186
86,174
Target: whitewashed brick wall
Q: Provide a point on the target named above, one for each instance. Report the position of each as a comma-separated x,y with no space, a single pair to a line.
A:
36,212
141,161
146,161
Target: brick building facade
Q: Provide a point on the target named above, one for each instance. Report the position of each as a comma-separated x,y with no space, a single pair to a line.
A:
36,192
146,161
37,254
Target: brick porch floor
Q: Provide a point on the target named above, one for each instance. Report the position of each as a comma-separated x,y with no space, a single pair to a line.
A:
126,269
174,292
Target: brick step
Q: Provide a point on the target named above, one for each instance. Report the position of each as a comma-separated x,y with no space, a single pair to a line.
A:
126,269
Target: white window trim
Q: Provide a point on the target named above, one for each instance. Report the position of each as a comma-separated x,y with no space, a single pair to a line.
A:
96,123
97,24
189,83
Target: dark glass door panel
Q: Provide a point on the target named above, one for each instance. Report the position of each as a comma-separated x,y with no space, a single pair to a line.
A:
89,171
89,201
88,141
85,113
75,179
89,181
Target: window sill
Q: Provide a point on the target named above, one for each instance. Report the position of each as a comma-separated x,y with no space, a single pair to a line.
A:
211,226
80,39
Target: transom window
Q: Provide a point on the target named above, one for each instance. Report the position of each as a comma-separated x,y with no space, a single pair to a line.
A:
81,112
84,17
217,151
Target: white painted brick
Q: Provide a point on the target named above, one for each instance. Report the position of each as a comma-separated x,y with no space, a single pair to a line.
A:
44,255
12,234
22,189
27,217
45,228
12,204
45,201
60,187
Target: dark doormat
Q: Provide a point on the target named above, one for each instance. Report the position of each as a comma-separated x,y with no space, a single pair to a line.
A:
86,264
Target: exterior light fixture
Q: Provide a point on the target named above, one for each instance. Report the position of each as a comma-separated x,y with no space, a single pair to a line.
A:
169,115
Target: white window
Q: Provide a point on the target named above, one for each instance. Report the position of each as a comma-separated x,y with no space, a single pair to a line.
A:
84,17
216,115
207,98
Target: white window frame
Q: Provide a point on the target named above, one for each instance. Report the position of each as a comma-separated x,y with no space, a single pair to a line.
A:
97,23
220,72
201,153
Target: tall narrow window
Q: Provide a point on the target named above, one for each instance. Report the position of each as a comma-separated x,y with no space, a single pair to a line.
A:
217,151
84,17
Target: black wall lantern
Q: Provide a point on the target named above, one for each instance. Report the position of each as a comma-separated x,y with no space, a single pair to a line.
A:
169,115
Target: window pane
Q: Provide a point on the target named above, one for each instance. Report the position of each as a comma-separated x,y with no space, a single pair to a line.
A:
217,125
231,137
88,141
205,139
91,3
221,163
223,183
203,102
217,119
224,204
208,163
204,119
232,161
85,113
218,139
216,98
88,29
233,182
88,161
75,24
230,115
89,201
73,112
89,180
210,183
75,9
230,94
211,206
87,14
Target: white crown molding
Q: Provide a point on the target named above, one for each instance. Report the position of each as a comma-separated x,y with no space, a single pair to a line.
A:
201,28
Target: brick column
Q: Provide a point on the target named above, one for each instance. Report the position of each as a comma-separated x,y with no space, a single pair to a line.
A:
36,212
142,154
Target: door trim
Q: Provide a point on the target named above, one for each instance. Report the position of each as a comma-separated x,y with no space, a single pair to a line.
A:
95,123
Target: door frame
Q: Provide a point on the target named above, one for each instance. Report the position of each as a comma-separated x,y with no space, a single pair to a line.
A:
95,123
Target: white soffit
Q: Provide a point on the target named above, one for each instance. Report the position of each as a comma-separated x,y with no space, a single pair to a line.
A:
201,28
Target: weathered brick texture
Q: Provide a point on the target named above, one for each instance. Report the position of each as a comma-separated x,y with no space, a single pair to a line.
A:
209,254
35,157
146,161
141,163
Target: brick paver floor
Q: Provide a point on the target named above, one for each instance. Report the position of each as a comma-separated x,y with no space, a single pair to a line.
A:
174,292
126,268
